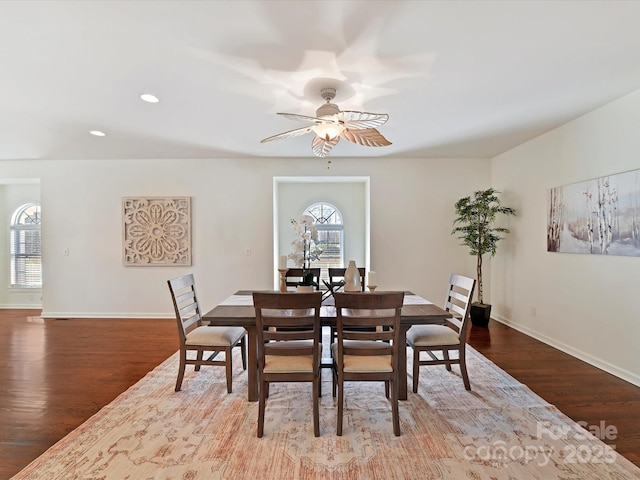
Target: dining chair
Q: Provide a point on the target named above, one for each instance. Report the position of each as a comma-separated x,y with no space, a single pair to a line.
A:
289,344
336,275
367,355
445,338
295,275
336,282
196,337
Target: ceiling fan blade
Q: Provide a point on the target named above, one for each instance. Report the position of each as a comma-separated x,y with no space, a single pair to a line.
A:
321,147
369,137
302,118
362,120
290,134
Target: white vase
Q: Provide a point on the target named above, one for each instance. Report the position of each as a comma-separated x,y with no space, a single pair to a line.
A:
352,281
304,288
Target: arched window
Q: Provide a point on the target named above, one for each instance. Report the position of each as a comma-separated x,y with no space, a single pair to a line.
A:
328,222
26,248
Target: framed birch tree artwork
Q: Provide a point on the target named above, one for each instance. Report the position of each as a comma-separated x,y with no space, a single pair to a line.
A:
599,216
157,231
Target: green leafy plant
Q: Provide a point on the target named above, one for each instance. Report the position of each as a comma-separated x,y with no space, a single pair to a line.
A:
475,219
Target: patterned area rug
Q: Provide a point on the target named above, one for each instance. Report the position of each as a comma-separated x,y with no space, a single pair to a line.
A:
499,430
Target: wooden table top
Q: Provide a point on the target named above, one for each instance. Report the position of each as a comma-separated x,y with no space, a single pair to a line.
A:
238,310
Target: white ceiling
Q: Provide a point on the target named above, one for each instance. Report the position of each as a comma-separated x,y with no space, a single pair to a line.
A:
457,78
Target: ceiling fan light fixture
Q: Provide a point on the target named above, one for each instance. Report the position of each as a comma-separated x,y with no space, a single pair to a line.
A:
328,131
330,128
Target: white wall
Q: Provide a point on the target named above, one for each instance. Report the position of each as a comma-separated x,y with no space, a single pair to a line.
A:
585,305
232,208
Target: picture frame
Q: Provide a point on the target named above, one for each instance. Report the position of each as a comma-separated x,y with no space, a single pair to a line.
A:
599,216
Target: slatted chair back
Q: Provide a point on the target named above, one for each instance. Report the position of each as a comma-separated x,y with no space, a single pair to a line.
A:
295,275
458,303
337,274
185,304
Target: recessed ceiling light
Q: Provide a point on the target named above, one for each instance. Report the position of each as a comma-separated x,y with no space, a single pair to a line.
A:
98,133
147,97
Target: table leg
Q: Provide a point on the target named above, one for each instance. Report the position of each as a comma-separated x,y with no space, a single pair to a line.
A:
252,364
402,363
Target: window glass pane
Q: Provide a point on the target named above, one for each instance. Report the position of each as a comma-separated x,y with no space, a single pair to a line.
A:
328,223
26,247
330,241
324,214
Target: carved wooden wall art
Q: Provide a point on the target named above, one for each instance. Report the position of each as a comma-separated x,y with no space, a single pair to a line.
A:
157,231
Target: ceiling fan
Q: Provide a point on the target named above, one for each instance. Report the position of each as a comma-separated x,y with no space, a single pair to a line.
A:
330,125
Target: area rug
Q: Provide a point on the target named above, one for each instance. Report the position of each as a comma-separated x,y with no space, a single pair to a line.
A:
499,430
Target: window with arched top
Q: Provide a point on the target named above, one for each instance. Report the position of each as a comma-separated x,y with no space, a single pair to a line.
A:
328,222
26,247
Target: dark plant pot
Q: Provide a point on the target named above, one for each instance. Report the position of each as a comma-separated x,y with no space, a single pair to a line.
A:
480,314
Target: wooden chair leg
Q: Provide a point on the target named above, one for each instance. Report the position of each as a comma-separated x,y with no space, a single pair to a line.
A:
463,369
340,406
416,369
243,352
183,364
334,379
394,408
445,355
227,353
261,406
316,407
199,359
386,389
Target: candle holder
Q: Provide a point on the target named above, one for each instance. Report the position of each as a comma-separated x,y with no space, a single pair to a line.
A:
283,280
372,287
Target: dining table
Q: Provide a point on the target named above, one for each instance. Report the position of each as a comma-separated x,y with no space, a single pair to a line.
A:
238,310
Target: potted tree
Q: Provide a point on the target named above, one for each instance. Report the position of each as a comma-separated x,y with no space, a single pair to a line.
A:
475,219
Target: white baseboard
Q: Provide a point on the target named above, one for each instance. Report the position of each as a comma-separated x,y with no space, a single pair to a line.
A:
21,306
584,356
150,316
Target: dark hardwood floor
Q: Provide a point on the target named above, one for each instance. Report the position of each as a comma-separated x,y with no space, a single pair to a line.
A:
58,373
